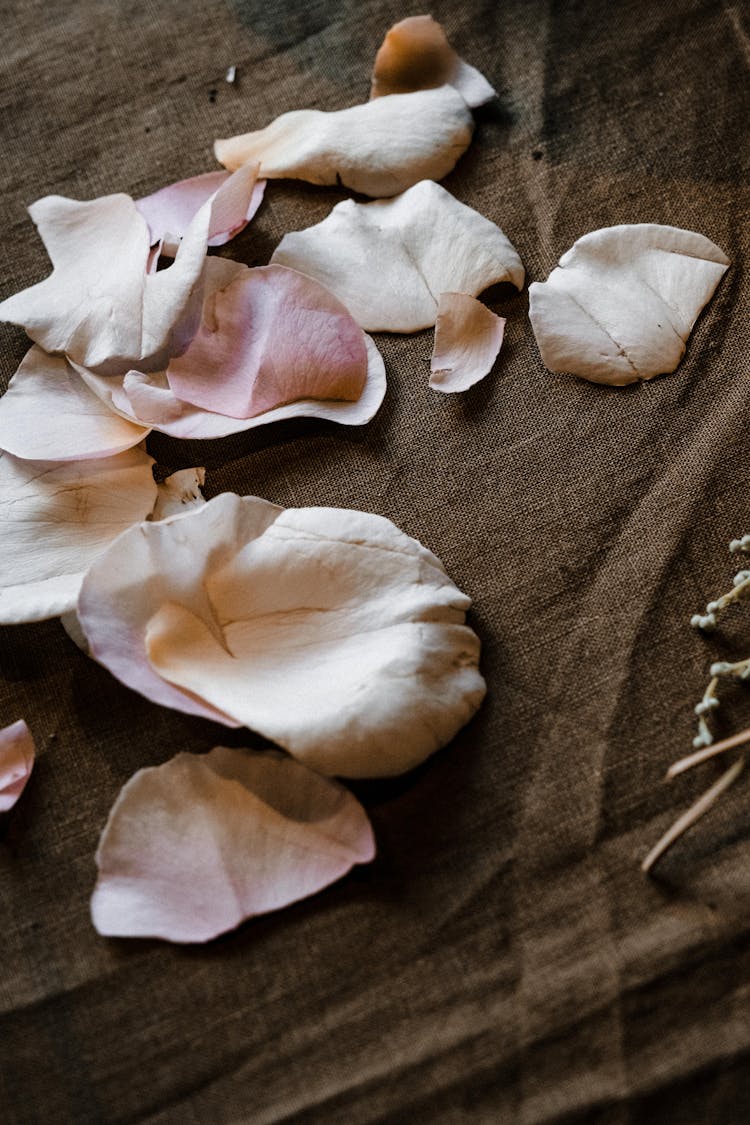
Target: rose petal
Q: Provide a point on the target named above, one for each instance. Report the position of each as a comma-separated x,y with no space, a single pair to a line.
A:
49,414
179,493
468,337
271,337
17,752
386,261
379,148
194,847
416,55
120,595
54,521
139,396
170,210
100,305
328,631
623,301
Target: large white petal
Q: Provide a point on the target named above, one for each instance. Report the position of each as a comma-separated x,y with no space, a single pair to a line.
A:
379,148
389,261
328,631
49,414
622,302
194,847
56,518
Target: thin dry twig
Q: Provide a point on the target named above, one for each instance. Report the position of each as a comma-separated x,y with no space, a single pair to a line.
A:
707,752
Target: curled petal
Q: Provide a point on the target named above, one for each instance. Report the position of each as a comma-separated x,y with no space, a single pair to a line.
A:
386,261
194,847
140,396
328,631
170,210
416,55
179,493
17,753
49,414
468,337
379,148
100,305
55,519
271,337
623,301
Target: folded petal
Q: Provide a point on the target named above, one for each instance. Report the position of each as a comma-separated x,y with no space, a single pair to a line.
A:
468,337
379,148
194,847
416,55
179,493
56,518
271,337
170,210
17,752
623,301
140,396
100,305
388,261
328,631
49,414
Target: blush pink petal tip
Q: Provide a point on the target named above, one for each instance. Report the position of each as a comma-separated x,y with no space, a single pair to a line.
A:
49,414
170,211
140,396
270,338
17,752
416,55
101,247
196,846
328,631
468,338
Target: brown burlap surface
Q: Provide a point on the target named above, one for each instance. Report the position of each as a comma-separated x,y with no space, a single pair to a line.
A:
503,959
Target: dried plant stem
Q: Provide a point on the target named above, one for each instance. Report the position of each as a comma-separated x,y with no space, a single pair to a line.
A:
694,813
707,752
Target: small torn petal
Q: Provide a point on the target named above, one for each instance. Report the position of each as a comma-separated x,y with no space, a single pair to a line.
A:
388,261
17,753
56,518
623,301
271,337
179,493
139,396
416,55
379,148
49,414
100,305
194,847
328,631
170,211
468,337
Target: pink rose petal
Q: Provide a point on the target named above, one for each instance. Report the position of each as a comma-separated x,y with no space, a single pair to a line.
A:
271,337
49,414
170,210
468,337
16,762
194,847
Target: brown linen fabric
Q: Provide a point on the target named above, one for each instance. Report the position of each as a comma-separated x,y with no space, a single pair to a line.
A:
503,959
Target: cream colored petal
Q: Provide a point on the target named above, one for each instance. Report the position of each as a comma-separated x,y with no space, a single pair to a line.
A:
56,518
49,414
194,847
17,753
379,148
179,493
139,396
150,565
331,633
468,337
623,301
100,305
416,55
388,262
